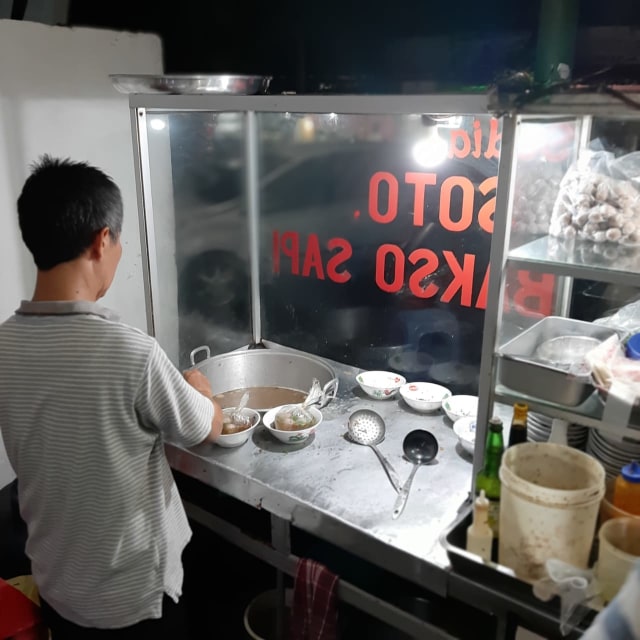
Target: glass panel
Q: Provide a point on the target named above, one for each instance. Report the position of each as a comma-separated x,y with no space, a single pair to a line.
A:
619,136
616,144
595,223
200,231
594,300
545,150
529,296
375,235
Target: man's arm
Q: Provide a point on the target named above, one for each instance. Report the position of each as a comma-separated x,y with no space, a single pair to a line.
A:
620,619
185,414
200,383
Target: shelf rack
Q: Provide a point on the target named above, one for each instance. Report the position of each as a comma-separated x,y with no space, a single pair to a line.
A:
567,261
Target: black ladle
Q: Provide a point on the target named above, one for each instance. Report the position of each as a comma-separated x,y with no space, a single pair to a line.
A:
420,447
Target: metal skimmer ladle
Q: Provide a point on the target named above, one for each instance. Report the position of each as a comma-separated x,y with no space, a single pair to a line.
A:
366,427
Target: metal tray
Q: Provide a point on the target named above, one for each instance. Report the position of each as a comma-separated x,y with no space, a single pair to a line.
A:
518,368
191,84
493,575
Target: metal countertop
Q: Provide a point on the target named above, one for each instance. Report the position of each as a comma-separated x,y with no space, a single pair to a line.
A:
339,491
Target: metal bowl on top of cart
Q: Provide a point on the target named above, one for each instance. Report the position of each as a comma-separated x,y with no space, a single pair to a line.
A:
186,84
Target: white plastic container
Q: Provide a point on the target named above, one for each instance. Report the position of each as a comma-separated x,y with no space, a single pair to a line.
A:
619,550
549,503
479,533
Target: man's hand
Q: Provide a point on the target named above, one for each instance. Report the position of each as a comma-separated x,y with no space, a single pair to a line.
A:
198,381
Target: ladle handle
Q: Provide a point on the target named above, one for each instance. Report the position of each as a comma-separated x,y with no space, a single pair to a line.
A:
391,472
403,494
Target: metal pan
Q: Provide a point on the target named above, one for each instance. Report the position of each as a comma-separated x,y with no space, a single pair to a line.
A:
520,369
265,368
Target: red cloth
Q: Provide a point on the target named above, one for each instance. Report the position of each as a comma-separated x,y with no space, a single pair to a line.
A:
19,617
314,615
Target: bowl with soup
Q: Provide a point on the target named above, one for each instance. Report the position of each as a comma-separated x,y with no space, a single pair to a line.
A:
236,432
284,424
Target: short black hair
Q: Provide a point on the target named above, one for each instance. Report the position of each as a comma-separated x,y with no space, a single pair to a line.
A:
62,206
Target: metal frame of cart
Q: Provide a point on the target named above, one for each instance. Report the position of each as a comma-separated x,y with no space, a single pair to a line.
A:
277,551
583,106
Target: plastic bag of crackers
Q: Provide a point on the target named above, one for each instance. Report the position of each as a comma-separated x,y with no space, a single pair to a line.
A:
599,200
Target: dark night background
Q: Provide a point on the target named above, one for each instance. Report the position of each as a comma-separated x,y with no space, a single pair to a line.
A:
303,44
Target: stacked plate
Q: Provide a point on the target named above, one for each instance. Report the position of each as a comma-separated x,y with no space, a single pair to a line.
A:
539,430
611,452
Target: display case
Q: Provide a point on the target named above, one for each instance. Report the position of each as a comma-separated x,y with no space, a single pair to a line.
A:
362,229
355,228
565,247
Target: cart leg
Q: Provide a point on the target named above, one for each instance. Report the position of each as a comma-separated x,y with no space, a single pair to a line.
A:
281,629
281,541
502,627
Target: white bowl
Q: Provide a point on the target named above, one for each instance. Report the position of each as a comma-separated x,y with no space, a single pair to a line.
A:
465,429
424,396
457,407
380,385
239,438
290,437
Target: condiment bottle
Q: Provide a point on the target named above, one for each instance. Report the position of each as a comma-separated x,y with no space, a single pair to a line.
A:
626,493
479,533
518,431
489,477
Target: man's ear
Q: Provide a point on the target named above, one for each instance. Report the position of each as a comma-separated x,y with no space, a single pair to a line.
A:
99,244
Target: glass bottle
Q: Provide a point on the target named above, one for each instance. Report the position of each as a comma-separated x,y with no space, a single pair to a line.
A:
626,494
489,477
518,431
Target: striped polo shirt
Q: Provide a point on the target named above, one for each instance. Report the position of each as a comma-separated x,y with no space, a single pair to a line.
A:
86,403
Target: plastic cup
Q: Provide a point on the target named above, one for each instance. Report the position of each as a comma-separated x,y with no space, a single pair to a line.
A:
618,551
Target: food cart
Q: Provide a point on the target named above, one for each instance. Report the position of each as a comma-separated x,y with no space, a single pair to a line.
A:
355,231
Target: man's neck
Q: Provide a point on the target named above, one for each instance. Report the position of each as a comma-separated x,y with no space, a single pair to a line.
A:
63,282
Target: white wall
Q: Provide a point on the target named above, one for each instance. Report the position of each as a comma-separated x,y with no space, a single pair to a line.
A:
56,97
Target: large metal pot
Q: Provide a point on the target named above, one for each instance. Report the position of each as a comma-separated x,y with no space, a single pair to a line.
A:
265,368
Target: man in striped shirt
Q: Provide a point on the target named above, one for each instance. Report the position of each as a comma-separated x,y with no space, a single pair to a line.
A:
86,403
620,619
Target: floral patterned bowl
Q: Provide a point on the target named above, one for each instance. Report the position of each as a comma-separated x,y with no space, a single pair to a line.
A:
291,437
424,396
380,385
228,440
465,429
457,407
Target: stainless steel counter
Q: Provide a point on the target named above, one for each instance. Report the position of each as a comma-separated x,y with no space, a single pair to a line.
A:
339,491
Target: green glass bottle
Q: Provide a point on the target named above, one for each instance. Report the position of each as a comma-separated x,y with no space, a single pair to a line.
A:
489,477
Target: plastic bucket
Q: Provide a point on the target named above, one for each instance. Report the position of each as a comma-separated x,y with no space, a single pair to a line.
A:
619,550
261,614
549,504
